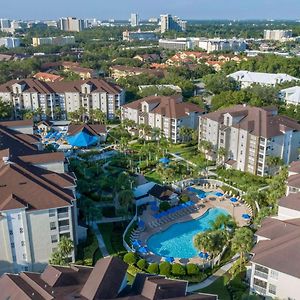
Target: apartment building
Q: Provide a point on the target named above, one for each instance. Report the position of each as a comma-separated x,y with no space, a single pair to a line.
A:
71,24
217,44
139,35
10,42
277,35
169,114
291,96
250,135
37,200
247,78
107,280
176,44
68,96
275,262
169,22
57,41
134,20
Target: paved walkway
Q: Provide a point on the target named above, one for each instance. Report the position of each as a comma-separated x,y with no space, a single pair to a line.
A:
178,157
100,240
213,277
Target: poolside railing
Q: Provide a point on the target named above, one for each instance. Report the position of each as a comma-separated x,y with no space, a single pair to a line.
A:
126,246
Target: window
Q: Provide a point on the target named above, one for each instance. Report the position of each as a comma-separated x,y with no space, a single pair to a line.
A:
19,216
22,243
11,232
54,238
21,230
51,213
12,245
274,274
272,289
52,225
24,255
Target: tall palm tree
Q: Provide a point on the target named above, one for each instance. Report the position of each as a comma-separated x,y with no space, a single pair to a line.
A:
156,132
38,113
82,112
242,242
185,133
222,154
125,198
57,113
100,116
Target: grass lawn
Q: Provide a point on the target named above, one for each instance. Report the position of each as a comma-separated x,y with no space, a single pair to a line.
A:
219,288
153,176
112,236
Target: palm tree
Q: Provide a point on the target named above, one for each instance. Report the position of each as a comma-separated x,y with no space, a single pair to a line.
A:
222,154
273,162
57,113
185,133
74,116
100,116
206,146
156,133
125,198
82,112
124,142
27,114
242,242
61,255
38,113
222,222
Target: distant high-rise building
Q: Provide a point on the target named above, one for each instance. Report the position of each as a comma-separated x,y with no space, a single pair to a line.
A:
277,35
10,42
134,20
168,22
4,24
71,24
58,41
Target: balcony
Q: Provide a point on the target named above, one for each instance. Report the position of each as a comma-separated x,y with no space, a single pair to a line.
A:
261,274
64,228
64,215
259,290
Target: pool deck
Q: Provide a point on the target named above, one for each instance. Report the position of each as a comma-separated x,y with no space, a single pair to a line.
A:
211,201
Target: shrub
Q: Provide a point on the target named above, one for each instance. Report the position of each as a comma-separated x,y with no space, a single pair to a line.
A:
153,268
178,270
184,198
142,264
192,269
165,268
130,258
164,206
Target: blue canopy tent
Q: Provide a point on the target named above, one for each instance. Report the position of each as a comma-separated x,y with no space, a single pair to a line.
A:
82,139
203,255
246,216
164,160
169,259
143,250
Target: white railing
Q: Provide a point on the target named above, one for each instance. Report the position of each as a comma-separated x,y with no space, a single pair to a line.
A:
126,246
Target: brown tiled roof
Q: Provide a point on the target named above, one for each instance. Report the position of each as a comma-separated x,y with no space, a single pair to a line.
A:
294,181
104,281
171,107
295,166
160,192
33,85
18,123
281,252
291,201
257,121
43,158
47,76
93,129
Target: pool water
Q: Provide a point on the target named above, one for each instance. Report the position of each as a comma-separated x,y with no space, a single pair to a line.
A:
177,240
201,193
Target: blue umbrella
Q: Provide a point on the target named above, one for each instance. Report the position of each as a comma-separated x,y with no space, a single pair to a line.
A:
246,216
233,200
169,259
164,160
203,255
141,224
137,243
154,207
143,250
219,194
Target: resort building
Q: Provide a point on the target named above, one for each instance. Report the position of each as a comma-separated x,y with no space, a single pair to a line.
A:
277,35
168,22
250,135
139,35
291,96
107,280
168,114
162,193
217,44
57,41
275,262
69,96
247,78
37,200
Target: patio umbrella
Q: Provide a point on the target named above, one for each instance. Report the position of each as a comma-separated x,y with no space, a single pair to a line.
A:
246,216
143,250
169,259
203,255
219,194
233,200
137,243
164,160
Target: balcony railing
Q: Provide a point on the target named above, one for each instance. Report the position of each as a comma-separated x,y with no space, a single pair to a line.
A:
63,215
260,290
64,228
261,274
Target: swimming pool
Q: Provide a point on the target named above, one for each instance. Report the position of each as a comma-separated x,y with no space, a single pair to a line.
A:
177,240
201,193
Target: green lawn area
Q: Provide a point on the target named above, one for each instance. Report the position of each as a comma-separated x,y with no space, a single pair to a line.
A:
153,176
112,236
219,288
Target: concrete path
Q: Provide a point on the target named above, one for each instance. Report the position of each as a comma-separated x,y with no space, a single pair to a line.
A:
101,243
115,219
213,277
178,157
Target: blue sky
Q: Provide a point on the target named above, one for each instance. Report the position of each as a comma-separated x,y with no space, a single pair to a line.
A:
120,9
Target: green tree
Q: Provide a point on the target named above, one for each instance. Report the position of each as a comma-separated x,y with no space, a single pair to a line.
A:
192,269
222,155
130,258
6,110
153,268
165,268
178,269
64,250
242,242
217,83
142,264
